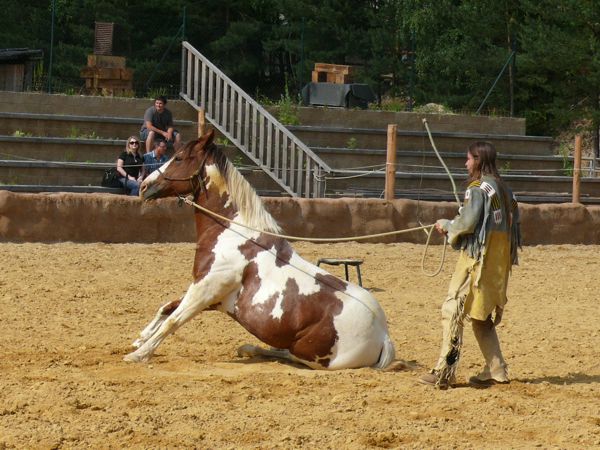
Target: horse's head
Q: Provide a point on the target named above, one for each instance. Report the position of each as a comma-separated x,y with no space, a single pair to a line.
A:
183,173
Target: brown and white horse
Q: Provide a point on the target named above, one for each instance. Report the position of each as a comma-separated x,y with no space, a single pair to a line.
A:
304,313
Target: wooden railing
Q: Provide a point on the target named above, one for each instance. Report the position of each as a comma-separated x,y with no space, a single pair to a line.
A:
246,124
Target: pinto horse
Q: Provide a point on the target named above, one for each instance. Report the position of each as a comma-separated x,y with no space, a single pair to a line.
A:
304,313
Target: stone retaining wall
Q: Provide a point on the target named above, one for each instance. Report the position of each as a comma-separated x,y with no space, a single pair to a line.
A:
119,219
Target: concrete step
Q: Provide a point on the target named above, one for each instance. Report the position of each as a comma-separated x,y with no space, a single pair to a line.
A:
51,173
61,173
440,183
52,176
107,150
348,118
430,195
78,126
373,138
36,188
87,105
426,160
61,149
61,161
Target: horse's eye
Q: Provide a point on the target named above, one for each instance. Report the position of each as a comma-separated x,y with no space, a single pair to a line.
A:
178,158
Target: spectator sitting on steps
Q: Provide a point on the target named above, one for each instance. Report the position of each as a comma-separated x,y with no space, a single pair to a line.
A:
129,166
158,123
155,158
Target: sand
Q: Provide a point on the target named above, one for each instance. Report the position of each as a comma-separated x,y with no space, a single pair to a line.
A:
70,312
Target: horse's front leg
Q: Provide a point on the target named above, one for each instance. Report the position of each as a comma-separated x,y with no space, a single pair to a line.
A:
163,312
211,290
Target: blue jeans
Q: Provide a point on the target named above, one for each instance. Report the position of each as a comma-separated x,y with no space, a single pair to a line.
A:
132,187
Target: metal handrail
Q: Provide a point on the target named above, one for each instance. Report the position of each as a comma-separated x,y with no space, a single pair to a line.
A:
246,124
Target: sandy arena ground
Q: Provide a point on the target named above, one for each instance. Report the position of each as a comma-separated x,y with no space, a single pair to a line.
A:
70,311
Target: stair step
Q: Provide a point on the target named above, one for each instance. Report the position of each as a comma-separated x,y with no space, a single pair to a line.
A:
79,126
376,138
349,179
431,195
343,158
36,188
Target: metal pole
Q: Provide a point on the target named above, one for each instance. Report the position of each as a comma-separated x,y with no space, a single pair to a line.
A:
51,50
495,81
577,170
183,24
301,69
511,75
390,164
411,73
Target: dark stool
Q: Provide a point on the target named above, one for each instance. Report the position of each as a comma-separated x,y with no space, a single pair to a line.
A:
346,262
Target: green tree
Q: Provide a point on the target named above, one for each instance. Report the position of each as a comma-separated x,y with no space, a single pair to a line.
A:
559,68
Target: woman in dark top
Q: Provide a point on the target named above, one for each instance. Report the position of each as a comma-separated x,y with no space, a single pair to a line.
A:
129,166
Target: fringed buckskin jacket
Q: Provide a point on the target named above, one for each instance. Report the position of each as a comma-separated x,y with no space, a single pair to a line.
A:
487,232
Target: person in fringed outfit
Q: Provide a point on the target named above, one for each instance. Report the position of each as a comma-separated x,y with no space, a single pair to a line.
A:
487,233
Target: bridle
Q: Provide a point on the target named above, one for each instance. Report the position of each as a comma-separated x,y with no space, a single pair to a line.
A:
197,176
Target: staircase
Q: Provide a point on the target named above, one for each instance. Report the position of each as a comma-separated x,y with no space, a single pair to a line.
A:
252,129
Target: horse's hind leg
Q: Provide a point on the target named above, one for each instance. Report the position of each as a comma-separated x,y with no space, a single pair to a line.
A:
163,312
249,350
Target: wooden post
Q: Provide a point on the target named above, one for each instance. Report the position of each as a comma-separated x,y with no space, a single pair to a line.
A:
201,122
577,170
390,165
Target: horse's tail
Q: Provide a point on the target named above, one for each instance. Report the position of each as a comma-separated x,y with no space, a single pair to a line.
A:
387,355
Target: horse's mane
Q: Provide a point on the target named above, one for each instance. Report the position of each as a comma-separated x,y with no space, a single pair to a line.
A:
242,195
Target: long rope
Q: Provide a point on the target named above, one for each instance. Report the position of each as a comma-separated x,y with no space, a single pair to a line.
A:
298,238
454,190
353,238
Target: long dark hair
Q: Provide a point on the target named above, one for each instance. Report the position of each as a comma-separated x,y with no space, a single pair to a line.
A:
484,154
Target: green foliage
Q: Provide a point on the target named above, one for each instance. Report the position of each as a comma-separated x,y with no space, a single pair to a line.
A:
237,161
564,151
445,52
157,92
69,156
74,133
505,168
19,133
38,76
432,108
393,104
352,143
287,109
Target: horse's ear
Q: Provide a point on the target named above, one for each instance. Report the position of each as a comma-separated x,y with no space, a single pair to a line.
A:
207,138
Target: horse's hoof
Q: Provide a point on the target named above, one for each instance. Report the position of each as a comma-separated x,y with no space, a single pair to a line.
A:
132,357
246,350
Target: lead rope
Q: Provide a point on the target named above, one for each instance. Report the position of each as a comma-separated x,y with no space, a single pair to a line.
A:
454,191
298,238
442,161
353,238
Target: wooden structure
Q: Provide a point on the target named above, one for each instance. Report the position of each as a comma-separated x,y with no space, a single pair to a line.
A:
333,73
106,74
17,67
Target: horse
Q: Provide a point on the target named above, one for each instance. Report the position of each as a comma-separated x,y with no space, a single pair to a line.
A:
303,313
